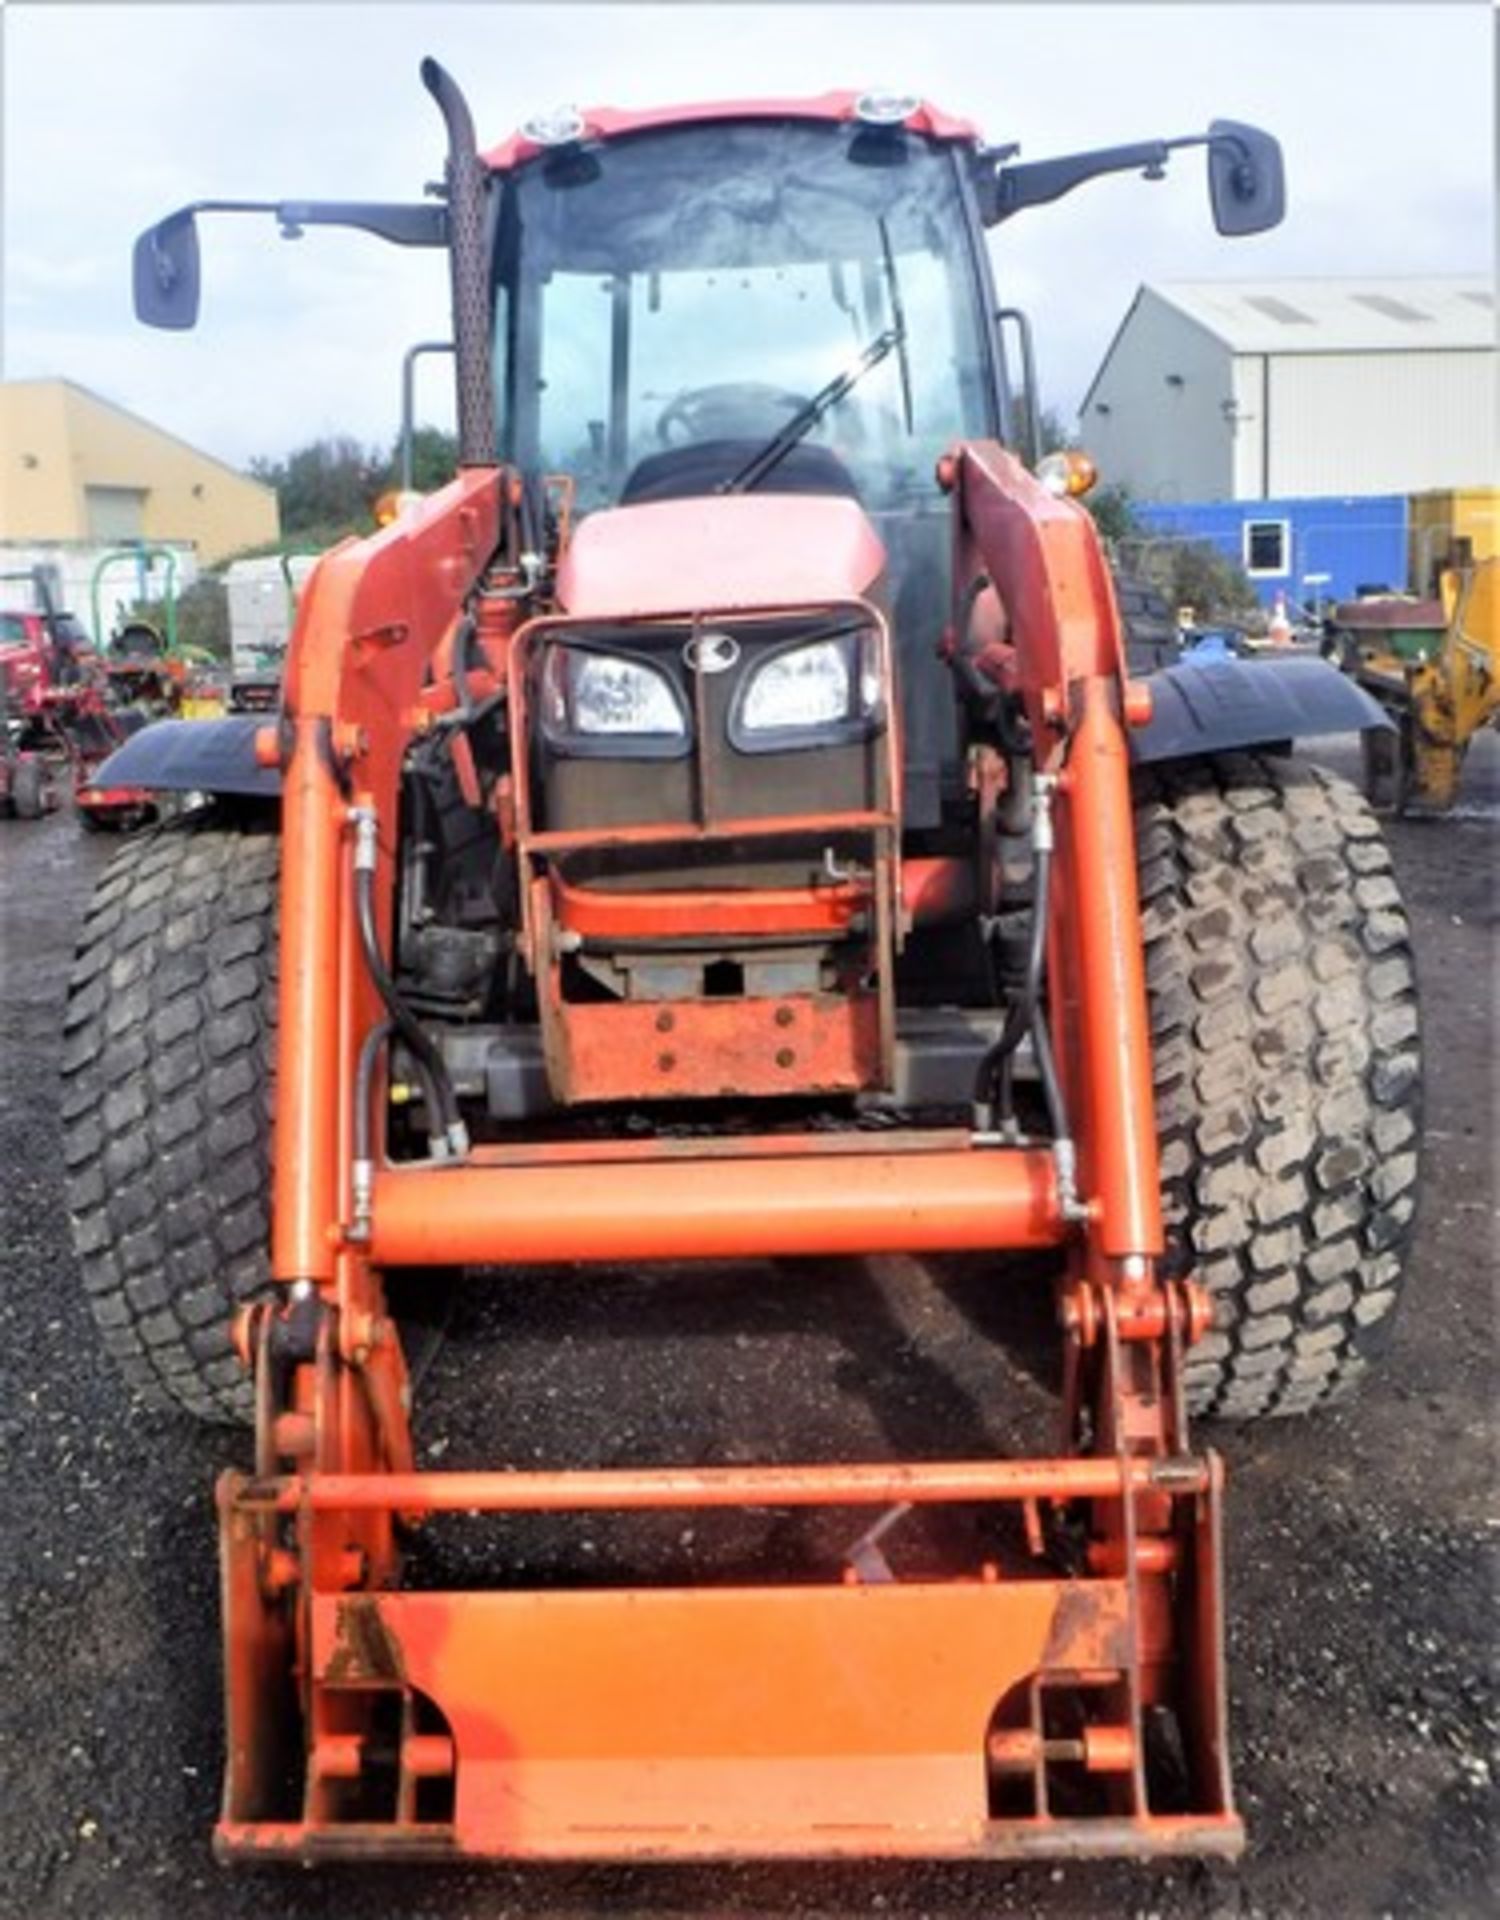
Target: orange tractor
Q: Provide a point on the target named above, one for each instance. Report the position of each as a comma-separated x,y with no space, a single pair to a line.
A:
722,823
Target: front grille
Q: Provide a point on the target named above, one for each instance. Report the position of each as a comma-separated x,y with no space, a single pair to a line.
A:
606,783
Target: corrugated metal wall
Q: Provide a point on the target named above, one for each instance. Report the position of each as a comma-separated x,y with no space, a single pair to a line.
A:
1174,416
1380,422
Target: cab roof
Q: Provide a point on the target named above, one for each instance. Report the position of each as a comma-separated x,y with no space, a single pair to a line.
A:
609,123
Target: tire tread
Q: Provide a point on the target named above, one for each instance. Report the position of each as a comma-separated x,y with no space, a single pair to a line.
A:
167,1094
1282,994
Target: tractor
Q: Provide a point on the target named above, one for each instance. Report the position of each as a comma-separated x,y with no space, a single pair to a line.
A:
721,825
59,715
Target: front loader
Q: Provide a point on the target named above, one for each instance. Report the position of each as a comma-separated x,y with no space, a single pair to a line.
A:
720,825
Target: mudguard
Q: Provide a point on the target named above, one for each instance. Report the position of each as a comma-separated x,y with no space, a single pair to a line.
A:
193,756
1213,705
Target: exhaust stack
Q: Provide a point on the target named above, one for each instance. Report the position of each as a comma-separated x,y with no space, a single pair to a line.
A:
467,185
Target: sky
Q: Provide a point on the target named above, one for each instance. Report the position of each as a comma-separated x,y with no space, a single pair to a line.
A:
115,113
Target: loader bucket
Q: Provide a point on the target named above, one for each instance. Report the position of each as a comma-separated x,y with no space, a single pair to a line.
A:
982,1716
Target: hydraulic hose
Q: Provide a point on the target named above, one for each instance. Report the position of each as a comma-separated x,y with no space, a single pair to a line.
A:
462,640
533,519
364,1152
364,1076
363,1175
987,695
1046,1066
429,1061
995,1086
994,1083
469,711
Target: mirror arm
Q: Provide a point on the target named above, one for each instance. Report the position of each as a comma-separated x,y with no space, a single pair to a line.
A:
1009,189
407,224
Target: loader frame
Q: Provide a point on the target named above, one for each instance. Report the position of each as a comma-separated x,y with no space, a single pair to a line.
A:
994,1712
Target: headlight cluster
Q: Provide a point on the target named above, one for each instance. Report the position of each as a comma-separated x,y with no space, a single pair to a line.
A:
598,695
830,688
769,694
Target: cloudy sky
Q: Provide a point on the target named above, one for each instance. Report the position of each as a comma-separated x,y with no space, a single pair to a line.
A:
114,113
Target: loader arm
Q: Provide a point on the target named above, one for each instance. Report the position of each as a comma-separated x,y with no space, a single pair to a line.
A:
970,1715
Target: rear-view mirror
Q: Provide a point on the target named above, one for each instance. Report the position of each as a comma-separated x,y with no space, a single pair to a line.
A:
1246,181
165,273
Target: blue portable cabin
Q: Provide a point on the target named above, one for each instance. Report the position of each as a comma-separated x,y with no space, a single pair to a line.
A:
1285,545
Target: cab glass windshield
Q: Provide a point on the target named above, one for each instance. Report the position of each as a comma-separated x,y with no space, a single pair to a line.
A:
670,301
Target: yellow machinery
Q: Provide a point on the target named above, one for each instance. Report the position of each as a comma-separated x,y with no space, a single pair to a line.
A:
1441,518
1435,666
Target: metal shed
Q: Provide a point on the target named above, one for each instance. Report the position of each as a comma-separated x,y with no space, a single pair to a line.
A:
1253,390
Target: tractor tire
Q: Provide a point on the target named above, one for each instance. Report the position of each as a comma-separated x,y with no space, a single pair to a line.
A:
1387,759
28,788
167,1076
1152,640
1283,1009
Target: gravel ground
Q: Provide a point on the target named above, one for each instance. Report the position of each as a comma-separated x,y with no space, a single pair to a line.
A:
1361,1563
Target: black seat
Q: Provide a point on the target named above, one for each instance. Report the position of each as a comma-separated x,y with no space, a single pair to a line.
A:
682,473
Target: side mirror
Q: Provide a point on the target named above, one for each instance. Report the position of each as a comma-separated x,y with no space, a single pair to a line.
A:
165,275
1246,180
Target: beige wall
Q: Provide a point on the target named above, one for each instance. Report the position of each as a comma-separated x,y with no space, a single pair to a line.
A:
40,498
58,440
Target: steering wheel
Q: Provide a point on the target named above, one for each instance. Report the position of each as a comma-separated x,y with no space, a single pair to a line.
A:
693,411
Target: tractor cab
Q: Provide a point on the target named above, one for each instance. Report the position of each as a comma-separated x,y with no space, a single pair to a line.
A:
671,301
759,301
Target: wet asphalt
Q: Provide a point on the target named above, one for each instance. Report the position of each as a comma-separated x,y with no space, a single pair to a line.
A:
1361,1547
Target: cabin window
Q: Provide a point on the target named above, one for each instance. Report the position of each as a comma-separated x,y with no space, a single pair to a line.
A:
1266,547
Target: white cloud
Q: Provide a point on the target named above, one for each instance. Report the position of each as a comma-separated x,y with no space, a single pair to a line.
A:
112,115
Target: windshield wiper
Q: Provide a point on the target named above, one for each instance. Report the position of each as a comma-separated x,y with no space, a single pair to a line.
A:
898,319
807,417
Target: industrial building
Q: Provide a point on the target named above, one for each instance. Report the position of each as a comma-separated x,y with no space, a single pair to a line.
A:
1284,390
75,468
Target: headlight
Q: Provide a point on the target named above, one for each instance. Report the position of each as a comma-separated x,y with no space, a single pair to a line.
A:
599,696
825,689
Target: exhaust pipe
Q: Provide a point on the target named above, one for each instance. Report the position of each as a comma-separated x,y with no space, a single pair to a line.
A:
467,185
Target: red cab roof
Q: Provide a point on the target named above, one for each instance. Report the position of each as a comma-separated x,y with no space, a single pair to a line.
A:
607,123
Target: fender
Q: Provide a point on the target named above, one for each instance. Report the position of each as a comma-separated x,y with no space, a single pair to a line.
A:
193,756
1220,704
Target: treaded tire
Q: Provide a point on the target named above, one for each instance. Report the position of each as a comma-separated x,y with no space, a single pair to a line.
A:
28,789
1288,1086
167,1072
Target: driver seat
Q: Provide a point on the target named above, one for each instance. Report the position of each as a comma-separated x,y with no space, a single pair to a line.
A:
704,466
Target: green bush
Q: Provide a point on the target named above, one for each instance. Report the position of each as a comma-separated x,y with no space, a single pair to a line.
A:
1196,574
